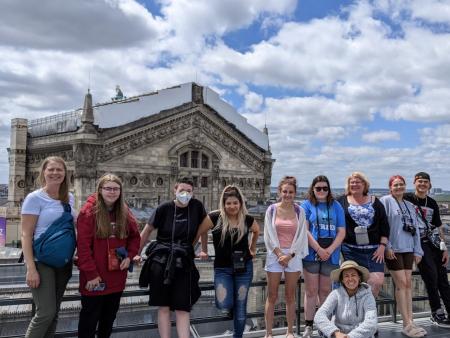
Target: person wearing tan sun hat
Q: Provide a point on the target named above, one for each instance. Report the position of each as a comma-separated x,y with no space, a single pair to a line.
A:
352,305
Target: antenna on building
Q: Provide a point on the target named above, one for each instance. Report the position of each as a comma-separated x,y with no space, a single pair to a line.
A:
89,81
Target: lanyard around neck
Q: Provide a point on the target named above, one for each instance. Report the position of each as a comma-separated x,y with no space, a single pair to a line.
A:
401,210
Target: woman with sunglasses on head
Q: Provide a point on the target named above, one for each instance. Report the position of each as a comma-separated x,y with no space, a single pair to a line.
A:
233,265
45,211
285,236
367,229
108,239
403,250
326,231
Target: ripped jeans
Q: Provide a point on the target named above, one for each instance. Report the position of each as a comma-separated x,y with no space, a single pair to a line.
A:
231,294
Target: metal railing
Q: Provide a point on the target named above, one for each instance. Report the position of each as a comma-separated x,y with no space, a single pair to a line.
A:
204,286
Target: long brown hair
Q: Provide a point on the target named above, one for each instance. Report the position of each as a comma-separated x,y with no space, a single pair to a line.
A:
232,191
120,210
63,193
311,197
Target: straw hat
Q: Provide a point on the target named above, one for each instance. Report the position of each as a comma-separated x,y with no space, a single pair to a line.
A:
335,274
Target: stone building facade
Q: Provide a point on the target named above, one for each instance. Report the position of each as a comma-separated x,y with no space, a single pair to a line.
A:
149,141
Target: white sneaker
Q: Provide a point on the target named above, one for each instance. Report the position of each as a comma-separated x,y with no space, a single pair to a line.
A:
308,332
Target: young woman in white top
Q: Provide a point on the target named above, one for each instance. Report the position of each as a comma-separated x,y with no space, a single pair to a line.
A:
285,236
40,209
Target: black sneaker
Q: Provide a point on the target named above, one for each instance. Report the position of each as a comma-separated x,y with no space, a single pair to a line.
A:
440,319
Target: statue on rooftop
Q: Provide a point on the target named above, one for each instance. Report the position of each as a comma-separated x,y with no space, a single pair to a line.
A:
119,95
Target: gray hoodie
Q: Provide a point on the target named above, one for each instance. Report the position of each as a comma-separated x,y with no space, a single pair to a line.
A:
356,316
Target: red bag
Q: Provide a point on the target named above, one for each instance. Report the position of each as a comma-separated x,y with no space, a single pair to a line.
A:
113,260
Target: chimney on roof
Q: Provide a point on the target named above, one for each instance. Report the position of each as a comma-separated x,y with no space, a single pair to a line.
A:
88,111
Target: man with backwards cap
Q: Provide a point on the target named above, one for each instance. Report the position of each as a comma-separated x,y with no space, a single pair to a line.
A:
433,267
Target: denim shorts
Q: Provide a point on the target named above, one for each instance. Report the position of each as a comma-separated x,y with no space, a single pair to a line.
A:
363,257
316,267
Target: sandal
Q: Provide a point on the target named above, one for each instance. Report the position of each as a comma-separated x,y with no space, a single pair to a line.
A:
424,332
268,335
290,335
412,331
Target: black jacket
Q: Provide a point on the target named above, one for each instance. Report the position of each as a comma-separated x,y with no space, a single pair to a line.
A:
180,256
379,228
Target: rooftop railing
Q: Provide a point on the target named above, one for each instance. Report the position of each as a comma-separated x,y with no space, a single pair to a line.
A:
204,286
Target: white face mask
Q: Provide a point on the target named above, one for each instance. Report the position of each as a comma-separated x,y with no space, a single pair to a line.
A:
183,197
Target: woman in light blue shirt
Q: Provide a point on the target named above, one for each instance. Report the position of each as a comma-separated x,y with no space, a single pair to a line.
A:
403,249
326,231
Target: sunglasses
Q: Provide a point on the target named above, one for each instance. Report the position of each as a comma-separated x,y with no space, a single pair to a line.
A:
324,189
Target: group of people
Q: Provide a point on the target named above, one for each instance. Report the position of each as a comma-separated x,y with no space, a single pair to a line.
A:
306,240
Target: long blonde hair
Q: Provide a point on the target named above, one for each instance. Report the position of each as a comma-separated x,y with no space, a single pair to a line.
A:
63,193
231,191
120,210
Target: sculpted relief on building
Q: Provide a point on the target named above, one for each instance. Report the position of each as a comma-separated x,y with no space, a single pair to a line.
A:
149,141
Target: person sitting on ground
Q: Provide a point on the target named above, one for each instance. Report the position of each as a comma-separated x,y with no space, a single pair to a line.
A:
352,305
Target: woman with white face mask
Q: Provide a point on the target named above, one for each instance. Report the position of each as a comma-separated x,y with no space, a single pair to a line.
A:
172,275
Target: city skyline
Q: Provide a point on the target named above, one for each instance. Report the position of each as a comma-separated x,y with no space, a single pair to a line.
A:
341,85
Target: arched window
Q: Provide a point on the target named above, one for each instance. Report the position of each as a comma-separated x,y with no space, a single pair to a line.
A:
159,181
194,159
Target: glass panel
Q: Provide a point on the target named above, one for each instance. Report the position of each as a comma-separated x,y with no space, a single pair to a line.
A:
184,159
194,159
205,161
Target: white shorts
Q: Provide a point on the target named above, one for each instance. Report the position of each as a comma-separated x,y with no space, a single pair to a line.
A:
272,265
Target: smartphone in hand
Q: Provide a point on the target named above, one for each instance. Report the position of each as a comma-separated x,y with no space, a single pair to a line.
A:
100,287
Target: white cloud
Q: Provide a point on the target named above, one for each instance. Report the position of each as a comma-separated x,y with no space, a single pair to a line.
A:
332,75
253,102
381,136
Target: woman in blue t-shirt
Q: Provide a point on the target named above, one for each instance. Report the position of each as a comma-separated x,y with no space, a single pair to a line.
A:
326,231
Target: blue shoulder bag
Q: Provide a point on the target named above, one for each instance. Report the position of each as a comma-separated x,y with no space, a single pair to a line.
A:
56,246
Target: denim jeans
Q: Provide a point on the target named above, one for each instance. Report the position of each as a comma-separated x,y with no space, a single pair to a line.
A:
231,294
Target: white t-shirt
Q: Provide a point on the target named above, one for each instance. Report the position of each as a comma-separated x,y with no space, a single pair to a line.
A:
49,210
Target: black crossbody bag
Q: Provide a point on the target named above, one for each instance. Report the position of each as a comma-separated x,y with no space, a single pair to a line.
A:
238,257
432,236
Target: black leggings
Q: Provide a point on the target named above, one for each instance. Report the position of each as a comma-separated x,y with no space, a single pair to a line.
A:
99,310
435,277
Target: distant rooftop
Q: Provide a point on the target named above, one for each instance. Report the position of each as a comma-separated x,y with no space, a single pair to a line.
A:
120,112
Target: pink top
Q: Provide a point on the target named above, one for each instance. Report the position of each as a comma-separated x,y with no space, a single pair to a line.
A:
286,229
